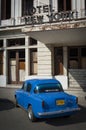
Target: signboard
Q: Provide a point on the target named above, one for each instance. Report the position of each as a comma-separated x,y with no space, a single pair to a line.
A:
45,13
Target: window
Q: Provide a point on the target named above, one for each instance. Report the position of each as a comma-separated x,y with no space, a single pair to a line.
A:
64,5
26,87
33,41
83,58
1,43
1,63
16,42
77,58
23,87
33,61
48,87
5,9
73,60
26,6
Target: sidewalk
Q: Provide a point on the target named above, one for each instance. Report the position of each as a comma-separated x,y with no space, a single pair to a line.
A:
80,94
7,93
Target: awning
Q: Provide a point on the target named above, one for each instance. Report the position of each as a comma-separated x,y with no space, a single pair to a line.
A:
61,36
66,33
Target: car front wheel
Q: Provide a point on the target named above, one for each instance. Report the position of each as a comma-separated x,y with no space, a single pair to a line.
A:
31,114
16,102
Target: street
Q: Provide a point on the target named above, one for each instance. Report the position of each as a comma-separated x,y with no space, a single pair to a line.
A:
12,118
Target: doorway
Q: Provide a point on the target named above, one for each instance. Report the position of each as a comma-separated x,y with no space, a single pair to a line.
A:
16,66
58,61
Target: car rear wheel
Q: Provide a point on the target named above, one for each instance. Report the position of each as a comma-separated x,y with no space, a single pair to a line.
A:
31,114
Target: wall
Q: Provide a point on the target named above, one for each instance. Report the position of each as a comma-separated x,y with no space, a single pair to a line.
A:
63,80
44,59
2,81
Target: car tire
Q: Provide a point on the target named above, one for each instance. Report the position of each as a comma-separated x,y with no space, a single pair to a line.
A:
31,114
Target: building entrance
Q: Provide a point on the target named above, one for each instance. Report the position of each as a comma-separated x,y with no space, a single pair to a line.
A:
58,61
16,66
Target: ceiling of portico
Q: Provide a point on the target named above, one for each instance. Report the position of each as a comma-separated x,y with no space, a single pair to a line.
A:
61,36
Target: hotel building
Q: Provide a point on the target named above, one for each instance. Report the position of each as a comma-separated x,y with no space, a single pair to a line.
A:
43,38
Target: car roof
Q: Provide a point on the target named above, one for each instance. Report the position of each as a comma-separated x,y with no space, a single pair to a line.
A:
41,81
35,82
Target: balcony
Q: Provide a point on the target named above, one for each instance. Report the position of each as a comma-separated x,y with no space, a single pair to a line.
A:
7,22
52,17
46,18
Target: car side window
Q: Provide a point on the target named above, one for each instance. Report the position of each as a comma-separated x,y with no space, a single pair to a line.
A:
24,86
28,87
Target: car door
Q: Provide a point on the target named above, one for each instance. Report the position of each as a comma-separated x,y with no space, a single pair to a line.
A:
20,95
26,95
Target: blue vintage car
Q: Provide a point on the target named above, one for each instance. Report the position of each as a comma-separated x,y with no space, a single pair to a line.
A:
45,98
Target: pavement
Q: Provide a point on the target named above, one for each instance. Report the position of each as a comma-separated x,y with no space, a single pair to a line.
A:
12,118
80,94
7,93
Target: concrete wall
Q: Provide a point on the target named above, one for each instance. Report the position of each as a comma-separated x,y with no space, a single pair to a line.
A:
2,81
44,59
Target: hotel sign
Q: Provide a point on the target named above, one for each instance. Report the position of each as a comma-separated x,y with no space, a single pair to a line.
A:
45,13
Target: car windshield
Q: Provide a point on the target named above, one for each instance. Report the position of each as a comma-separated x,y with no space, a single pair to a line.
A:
46,88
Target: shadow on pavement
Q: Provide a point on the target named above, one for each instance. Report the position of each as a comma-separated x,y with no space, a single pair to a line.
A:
79,117
6,104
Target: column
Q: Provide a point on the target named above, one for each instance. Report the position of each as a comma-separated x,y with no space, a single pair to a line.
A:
13,11
65,68
65,61
12,8
55,5
35,3
0,12
17,11
27,56
19,8
5,65
79,8
82,8
74,4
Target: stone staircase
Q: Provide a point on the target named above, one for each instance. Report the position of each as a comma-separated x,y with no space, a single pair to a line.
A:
77,83
77,79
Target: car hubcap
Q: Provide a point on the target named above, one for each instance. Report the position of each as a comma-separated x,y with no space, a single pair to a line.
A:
30,114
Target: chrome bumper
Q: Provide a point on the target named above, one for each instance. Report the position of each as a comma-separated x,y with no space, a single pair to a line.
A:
58,112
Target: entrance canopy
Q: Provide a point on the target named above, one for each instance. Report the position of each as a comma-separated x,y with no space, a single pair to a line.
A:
62,35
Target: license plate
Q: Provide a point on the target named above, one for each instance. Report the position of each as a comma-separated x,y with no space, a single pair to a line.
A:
60,102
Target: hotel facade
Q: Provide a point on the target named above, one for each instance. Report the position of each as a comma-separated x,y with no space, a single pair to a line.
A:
43,38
